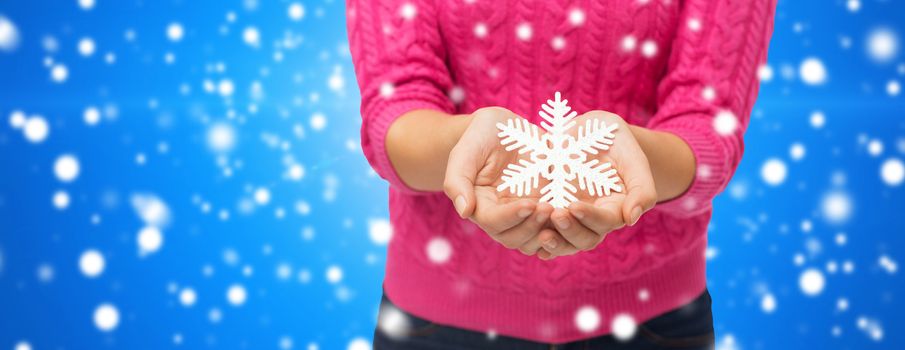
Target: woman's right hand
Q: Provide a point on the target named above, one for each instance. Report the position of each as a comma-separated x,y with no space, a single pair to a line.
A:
473,173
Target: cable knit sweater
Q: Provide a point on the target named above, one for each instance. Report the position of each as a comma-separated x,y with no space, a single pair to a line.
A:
688,67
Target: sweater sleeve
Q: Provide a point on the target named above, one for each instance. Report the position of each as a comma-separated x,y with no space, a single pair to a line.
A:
399,60
709,89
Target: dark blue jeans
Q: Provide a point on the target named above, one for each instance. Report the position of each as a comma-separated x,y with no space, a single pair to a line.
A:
688,327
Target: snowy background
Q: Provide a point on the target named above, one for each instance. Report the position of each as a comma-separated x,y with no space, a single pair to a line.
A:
186,174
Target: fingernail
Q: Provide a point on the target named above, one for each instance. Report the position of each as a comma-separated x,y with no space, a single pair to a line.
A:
550,244
578,214
562,224
460,204
636,214
541,217
524,213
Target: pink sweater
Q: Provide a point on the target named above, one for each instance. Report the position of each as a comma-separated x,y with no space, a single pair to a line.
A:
669,65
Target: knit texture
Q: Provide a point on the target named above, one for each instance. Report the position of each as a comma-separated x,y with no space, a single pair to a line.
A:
669,65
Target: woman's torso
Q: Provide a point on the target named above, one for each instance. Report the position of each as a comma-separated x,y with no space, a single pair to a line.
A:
607,54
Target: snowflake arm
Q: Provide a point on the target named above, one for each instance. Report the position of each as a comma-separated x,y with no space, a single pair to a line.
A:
596,178
557,115
594,135
520,134
559,192
521,178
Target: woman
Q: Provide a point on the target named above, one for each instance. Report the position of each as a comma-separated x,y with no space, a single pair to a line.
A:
471,267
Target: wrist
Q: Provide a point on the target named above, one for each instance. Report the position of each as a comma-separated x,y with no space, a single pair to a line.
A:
672,163
454,127
418,145
645,137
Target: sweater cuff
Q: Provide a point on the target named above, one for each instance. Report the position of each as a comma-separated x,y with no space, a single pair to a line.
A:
374,139
712,169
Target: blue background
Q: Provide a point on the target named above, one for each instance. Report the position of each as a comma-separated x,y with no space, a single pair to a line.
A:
152,139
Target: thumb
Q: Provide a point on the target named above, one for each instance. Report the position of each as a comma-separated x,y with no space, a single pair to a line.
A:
641,193
461,170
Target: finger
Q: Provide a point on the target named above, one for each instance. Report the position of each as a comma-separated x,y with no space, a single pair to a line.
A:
573,231
601,217
496,217
554,245
461,170
641,193
522,236
545,255
639,199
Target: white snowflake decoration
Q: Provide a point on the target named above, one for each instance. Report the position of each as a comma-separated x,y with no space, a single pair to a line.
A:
558,156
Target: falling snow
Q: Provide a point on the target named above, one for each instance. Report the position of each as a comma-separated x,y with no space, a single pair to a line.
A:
35,128
624,327
725,123
380,231
438,250
221,137
86,4
66,168
818,119
587,319
393,322
175,32
837,207
106,317
236,295
150,239
61,200
86,47
629,43
811,282
649,48
768,303
296,11
91,115
9,34
334,274
188,297
524,31
812,71
892,172
92,263
882,45
774,172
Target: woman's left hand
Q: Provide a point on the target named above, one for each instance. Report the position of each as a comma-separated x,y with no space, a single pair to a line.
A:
586,222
